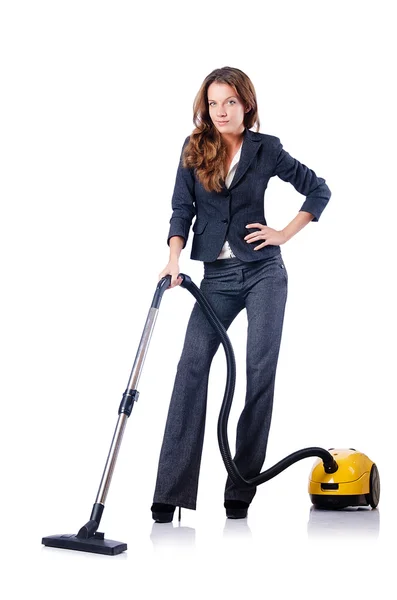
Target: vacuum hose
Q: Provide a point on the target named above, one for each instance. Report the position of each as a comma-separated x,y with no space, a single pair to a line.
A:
330,465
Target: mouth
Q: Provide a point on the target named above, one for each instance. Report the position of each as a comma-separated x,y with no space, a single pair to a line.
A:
222,122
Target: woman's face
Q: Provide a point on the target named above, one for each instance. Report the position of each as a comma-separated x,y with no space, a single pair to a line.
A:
225,108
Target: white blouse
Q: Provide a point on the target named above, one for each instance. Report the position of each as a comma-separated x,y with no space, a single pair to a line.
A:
226,251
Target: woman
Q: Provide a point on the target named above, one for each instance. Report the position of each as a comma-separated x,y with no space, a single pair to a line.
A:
221,179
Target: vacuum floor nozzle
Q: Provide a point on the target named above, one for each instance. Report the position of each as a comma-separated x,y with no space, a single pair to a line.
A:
96,543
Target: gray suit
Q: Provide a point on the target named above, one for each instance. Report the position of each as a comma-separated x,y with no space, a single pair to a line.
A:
256,280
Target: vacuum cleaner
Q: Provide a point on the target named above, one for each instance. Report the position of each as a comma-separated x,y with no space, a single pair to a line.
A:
340,478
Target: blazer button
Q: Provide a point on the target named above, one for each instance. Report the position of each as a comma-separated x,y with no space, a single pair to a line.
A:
225,220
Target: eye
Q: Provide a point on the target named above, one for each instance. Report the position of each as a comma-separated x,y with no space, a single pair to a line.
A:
234,102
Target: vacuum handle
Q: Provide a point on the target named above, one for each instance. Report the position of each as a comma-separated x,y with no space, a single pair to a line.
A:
162,285
130,396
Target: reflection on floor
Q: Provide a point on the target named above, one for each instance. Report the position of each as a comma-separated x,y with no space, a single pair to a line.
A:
350,522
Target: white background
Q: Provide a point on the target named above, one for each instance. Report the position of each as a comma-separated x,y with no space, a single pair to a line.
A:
96,100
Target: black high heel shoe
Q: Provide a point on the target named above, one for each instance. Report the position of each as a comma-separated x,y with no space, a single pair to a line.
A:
236,509
164,513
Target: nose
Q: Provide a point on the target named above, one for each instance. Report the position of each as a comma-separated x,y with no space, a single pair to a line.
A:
221,112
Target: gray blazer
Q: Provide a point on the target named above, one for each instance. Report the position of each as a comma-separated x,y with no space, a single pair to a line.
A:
225,214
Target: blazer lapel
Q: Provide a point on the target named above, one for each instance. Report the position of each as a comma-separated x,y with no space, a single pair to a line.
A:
248,151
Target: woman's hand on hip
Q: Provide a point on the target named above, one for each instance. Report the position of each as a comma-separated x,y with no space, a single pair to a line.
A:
271,237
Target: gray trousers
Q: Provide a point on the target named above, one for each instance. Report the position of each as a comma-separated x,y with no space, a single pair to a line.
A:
229,285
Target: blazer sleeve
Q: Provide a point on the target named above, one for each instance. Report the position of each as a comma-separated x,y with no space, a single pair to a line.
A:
183,201
304,180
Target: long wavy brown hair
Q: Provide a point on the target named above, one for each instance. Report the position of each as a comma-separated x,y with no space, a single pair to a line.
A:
206,151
